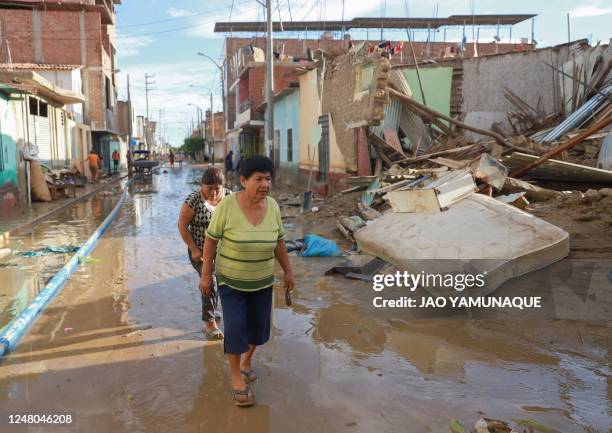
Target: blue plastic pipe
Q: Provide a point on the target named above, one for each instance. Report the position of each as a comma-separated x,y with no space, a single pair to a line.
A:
22,323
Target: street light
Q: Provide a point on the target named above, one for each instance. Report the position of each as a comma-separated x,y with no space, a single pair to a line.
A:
212,111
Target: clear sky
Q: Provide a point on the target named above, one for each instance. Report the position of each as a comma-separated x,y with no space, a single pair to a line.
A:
162,37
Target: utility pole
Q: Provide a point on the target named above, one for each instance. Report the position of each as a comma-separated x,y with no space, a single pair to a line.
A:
269,132
130,131
147,84
569,37
212,128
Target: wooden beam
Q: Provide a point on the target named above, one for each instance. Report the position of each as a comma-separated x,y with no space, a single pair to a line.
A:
563,147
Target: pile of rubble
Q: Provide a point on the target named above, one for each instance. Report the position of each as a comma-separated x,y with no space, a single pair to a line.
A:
451,202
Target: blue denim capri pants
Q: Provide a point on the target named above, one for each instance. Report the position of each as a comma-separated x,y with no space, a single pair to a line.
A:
246,318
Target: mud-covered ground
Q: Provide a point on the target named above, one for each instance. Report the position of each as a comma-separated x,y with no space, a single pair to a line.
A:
122,350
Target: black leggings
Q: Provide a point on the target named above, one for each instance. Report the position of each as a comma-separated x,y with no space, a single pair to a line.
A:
210,302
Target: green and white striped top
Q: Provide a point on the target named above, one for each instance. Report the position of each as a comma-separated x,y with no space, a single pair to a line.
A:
245,253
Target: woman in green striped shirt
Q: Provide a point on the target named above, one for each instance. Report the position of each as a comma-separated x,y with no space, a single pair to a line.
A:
245,237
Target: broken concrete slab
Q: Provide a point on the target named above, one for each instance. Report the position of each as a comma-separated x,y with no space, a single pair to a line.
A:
477,235
515,199
490,171
554,169
435,196
533,192
415,200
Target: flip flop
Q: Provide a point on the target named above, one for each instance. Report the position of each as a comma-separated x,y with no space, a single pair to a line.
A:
247,392
249,376
214,334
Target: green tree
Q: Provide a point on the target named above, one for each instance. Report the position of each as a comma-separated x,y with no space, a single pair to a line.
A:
193,145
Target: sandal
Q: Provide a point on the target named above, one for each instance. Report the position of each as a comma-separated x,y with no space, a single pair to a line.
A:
214,334
246,392
249,376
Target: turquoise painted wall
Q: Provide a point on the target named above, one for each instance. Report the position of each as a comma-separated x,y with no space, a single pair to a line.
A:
437,84
287,116
8,147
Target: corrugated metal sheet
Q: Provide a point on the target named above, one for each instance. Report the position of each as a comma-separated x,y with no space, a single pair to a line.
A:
604,160
416,131
399,82
576,119
396,116
393,112
392,140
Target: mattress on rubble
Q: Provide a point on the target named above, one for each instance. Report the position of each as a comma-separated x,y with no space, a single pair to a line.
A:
476,235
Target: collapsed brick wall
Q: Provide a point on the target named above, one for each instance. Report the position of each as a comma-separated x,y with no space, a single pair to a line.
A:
347,110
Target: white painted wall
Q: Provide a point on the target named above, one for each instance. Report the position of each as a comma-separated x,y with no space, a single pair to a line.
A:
525,73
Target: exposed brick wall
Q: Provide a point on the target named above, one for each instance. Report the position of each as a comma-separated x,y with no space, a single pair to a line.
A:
339,90
60,44
257,83
19,35
243,90
230,106
60,36
96,102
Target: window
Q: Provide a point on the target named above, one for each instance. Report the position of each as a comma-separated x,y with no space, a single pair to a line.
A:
42,109
37,107
33,106
364,75
1,156
289,145
107,92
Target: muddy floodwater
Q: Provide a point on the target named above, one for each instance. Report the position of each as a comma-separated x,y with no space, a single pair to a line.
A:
121,349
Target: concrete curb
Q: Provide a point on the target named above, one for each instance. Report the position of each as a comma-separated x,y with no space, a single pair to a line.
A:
22,323
64,205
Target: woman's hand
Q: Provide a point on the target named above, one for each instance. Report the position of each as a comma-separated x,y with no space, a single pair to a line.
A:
289,281
196,255
206,284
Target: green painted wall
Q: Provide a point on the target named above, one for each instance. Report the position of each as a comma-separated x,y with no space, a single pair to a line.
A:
8,147
437,83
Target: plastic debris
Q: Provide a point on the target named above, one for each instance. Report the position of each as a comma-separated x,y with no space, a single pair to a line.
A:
317,246
61,249
88,260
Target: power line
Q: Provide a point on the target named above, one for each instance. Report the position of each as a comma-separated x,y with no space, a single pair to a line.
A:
180,18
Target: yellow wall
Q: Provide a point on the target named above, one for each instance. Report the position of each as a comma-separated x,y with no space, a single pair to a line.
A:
310,110
309,118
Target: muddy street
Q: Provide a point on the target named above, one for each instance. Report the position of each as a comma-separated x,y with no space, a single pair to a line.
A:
122,349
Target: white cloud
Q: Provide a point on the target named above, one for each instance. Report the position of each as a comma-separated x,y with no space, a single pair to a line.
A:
129,46
178,13
589,11
172,92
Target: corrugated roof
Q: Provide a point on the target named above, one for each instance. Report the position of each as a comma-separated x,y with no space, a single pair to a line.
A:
39,66
375,23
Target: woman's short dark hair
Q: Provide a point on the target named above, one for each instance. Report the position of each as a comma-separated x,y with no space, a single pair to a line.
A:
256,163
213,176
